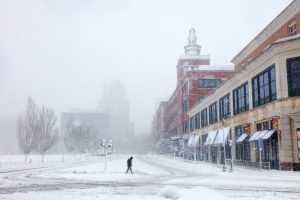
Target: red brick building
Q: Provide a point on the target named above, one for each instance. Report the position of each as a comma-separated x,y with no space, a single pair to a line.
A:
196,78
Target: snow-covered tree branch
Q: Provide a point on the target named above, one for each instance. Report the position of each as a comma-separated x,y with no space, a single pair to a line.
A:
27,128
47,130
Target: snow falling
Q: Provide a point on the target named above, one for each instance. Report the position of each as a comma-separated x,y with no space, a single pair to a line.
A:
114,99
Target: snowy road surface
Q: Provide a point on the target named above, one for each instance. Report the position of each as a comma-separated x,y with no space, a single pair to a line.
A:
155,177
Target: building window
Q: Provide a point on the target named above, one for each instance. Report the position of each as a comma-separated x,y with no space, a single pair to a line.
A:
240,99
266,149
213,113
293,74
293,29
298,142
197,121
264,87
185,87
224,106
204,117
259,127
186,126
208,83
265,125
200,97
185,106
239,130
174,132
242,149
173,117
192,124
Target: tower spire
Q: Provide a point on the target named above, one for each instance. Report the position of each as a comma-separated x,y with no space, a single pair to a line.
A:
192,48
192,37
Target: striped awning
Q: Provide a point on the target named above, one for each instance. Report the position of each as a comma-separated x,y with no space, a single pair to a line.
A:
268,134
190,141
254,135
210,137
222,136
242,138
195,141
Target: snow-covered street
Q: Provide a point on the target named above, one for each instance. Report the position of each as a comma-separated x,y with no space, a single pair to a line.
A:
155,177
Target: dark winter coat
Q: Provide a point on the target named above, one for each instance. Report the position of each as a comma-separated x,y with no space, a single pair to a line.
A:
129,162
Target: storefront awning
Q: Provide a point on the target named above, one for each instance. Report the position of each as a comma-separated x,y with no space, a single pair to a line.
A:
257,135
175,138
190,141
195,141
261,134
268,134
254,135
210,137
242,138
222,136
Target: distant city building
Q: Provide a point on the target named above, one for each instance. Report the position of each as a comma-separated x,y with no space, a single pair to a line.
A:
257,109
94,118
196,78
115,103
160,128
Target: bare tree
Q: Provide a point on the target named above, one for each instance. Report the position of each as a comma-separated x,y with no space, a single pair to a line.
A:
47,131
27,128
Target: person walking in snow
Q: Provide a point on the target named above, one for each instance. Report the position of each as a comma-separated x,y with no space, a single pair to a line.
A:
129,165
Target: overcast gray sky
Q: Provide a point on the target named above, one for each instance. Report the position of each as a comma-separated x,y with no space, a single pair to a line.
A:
62,51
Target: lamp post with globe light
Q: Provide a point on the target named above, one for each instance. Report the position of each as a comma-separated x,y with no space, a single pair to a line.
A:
224,164
105,145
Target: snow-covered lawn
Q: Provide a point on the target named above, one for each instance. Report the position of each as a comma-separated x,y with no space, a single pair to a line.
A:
17,162
116,169
155,177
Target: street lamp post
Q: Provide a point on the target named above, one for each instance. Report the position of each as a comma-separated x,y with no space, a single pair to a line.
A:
183,148
105,145
195,148
224,165
183,153
231,160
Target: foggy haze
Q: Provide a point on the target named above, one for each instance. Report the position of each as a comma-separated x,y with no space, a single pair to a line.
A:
62,52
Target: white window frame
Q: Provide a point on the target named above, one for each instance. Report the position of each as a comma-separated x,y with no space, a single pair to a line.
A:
294,31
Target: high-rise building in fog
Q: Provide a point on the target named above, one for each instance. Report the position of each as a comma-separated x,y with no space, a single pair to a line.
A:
115,103
94,118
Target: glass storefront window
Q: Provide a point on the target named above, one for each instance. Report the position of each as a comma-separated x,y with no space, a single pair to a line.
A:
264,87
293,73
